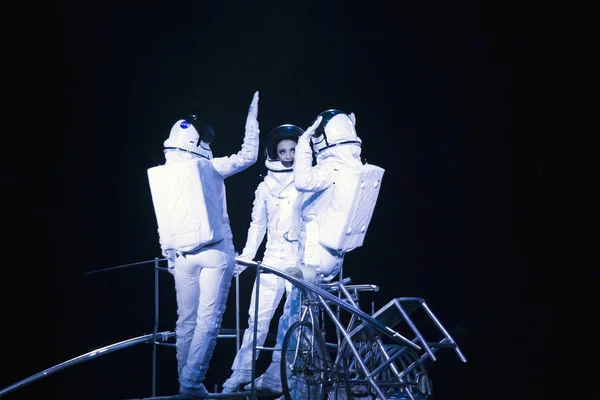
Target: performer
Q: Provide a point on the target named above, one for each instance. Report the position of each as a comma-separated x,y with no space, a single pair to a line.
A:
274,204
339,196
189,198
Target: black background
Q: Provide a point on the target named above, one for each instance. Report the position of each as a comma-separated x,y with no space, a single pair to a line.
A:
456,100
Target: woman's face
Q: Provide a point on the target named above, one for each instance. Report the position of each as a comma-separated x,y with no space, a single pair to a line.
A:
286,150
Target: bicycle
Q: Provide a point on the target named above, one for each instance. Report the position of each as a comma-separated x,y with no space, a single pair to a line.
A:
369,358
352,367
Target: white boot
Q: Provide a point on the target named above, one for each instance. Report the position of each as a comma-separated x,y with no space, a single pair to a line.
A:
239,377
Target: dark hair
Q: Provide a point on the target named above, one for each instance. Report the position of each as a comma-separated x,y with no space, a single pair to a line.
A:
282,132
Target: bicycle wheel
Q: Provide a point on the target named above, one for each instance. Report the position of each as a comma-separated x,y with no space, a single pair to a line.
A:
416,381
303,363
357,382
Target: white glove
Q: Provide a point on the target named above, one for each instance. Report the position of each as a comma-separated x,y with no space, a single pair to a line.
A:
352,118
252,118
306,272
311,129
239,268
171,256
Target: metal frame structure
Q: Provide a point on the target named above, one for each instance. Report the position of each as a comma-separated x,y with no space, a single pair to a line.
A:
155,338
378,322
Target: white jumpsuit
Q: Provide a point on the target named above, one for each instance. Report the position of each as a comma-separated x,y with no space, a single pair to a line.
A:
275,203
203,276
313,182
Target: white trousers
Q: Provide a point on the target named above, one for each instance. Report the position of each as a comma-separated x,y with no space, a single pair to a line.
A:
271,292
202,282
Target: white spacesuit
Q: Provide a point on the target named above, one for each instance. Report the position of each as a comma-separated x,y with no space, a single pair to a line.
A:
338,206
338,198
275,205
189,199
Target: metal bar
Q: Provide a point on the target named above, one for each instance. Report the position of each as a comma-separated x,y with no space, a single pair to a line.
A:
381,327
414,328
255,330
268,348
219,336
338,335
79,359
166,344
358,288
349,343
389,361
122,266
155,327
444,331
237,312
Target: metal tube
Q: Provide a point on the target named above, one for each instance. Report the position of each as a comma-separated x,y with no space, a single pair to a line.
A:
444,331
77,360
414,328
122,266
237,312
349,343
155,328
255,330
366,318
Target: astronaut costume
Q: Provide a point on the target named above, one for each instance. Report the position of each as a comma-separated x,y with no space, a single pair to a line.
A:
189,198
337,148
274,206
338,198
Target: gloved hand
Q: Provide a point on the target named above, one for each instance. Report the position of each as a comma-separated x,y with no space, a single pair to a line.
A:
239,268
309,133
252,118
306,272
352,118
171,256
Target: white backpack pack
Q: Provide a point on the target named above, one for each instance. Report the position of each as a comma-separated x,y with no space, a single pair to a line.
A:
348,208
188,211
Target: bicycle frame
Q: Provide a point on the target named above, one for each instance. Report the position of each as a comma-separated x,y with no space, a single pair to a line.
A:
320,298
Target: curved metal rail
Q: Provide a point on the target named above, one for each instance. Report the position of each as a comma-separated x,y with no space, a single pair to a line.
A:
386,330
87,356
158,337
155,338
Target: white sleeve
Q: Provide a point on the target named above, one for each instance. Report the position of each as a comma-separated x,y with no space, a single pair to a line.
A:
244,158
306,177
248,155
258,225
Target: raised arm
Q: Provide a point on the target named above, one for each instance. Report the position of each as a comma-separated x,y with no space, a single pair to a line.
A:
248,154
306,177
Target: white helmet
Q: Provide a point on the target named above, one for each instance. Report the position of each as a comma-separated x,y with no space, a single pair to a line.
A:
335,129
192,135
